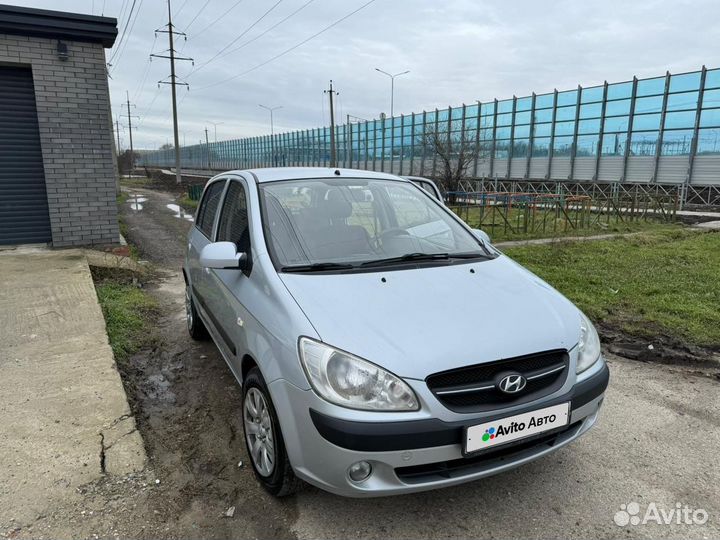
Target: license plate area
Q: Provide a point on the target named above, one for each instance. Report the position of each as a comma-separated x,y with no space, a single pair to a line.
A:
514,428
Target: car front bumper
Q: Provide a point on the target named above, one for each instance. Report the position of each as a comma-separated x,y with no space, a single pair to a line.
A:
414,454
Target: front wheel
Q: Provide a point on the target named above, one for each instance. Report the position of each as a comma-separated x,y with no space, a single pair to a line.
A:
264,440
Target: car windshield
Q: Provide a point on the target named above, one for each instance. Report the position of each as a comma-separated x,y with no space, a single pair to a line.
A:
321,224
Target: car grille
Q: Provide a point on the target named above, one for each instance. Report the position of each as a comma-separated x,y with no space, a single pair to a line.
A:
473,388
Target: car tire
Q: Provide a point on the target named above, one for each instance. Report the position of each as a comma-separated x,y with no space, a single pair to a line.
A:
263,438
195,326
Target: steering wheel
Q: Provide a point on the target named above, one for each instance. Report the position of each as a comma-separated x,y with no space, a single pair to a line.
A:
391,233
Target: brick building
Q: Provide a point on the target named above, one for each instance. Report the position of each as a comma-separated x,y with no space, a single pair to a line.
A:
57,157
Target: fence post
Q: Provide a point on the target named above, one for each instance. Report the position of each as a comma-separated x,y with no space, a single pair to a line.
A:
494,140
512,139
694,142
531,138
628,140
424,143
551,147
573,150
412,144
600,136
437,134
477,140
661,133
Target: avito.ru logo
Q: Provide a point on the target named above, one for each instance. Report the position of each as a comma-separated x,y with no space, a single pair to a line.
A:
516,427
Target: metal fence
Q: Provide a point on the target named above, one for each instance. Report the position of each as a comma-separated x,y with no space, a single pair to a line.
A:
658,130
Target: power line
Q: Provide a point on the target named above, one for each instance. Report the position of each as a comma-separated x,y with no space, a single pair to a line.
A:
286,51
181,8
248,42
124,32
197,15
132,26
216,20
122,10
276,4
141,86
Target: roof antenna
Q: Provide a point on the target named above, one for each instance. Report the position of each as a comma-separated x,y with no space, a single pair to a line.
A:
337,172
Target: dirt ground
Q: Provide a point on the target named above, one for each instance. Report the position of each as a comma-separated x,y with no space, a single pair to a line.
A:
656,442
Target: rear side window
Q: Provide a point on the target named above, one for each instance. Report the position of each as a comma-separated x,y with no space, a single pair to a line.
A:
209,206
234,218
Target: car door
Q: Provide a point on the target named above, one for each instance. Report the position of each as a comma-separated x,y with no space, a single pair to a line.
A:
229,288
201,234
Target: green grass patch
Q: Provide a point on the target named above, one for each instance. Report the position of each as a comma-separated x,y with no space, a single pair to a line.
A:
135,181
189,204
665,282
525,224
128,311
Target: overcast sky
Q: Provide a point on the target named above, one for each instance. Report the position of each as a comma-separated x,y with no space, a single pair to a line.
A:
456,50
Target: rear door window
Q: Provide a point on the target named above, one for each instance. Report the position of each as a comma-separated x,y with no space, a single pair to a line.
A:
209,206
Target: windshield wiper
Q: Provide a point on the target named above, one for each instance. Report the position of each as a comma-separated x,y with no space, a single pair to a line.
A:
317,267
410,257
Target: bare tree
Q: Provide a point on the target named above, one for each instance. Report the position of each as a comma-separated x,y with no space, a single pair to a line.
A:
451,153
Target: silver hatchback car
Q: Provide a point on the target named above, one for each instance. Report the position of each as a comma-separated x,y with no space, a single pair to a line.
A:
383,346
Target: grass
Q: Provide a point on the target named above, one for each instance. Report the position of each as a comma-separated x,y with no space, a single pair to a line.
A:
661,283
128,311
189,204
135,181
521,224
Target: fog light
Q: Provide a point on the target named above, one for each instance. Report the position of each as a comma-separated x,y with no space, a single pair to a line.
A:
359,471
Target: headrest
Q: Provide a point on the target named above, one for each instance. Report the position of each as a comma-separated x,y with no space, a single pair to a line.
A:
335,205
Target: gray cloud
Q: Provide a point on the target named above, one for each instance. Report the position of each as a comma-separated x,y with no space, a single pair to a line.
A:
457,50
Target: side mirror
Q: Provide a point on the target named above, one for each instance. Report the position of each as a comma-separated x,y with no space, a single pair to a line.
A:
222,255
482,236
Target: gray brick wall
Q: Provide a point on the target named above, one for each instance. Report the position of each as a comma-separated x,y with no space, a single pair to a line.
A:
73,109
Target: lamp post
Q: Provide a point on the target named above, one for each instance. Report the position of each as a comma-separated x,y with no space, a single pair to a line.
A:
392,87
215,125
272,129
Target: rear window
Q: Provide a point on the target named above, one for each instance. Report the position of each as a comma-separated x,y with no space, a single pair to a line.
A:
209,206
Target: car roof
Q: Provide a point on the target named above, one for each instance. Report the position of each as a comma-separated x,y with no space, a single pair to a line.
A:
276,174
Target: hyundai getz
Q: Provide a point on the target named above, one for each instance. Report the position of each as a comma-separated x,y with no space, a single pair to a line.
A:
382,345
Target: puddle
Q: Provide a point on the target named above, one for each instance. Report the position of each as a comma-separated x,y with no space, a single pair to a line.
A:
136,202
158,389
179,212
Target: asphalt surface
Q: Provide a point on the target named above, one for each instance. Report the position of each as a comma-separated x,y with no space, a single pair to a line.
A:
656,443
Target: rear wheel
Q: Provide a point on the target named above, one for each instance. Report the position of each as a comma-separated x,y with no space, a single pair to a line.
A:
195,326
264,440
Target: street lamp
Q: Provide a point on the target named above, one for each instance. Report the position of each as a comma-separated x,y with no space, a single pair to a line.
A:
215,125
392,87
271,109
272,129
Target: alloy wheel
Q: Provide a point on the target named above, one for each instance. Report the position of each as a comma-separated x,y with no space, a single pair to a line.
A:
259,432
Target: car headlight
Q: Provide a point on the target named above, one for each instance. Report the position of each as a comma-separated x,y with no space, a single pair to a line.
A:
589,345
349,381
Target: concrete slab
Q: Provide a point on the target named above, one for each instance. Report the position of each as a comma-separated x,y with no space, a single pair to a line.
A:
64,416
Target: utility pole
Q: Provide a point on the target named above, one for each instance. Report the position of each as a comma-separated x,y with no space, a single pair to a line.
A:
173,82
272,130
117,133
129,116
207,147
333,154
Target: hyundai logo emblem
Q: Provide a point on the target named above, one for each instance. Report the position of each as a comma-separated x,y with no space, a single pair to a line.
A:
512,384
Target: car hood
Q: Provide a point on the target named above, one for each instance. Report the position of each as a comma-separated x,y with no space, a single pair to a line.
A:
415,322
